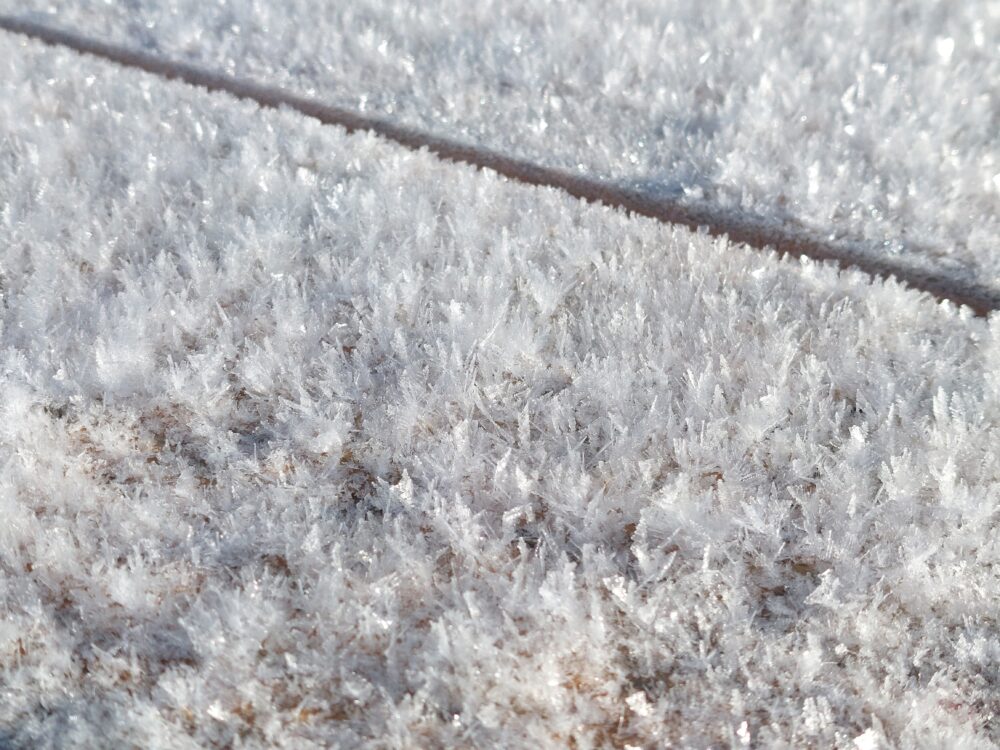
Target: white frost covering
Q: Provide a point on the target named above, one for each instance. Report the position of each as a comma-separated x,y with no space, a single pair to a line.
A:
309,441
865,120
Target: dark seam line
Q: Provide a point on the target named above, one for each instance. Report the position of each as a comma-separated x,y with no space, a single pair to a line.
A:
751,231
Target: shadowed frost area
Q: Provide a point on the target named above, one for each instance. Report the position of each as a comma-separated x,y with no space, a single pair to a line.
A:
870,124
309,440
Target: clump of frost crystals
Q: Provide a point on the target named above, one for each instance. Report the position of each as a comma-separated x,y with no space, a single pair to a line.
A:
308,441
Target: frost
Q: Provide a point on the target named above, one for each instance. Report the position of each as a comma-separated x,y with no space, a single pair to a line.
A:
310,441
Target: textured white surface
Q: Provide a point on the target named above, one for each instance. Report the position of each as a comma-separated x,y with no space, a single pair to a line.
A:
307,440
872,121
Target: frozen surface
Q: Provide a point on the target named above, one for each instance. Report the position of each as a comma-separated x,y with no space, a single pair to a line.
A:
874,122
309,441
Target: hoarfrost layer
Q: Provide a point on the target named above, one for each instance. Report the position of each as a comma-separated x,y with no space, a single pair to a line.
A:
310,441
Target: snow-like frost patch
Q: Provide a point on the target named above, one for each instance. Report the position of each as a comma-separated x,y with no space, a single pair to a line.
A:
309,441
